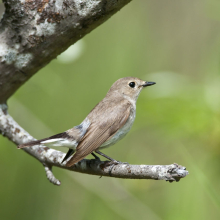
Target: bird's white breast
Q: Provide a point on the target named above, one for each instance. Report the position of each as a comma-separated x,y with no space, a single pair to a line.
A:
121,132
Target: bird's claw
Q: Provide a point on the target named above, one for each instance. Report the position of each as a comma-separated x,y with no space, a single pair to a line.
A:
119,162
97,159
114,162
124,163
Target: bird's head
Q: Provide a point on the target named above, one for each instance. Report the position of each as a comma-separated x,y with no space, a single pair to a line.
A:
129,87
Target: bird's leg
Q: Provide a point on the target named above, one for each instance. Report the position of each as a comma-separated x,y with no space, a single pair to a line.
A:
96,157
112,160
111,163
100,153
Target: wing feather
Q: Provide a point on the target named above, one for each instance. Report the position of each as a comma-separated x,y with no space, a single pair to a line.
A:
100,131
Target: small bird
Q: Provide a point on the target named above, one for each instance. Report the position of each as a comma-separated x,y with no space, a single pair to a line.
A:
108,122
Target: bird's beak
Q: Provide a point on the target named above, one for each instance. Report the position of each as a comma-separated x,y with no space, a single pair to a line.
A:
148,84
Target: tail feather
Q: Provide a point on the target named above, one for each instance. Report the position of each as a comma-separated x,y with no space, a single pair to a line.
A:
29,144
37,142
68,154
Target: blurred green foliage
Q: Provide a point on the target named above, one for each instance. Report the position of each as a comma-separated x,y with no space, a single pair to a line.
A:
176,44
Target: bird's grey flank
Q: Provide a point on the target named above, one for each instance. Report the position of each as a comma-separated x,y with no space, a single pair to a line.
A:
108,122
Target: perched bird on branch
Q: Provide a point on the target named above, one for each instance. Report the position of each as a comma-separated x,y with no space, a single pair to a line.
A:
106,124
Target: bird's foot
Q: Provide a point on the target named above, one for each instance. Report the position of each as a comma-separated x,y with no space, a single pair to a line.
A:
124,163
96,157
114,162
111,163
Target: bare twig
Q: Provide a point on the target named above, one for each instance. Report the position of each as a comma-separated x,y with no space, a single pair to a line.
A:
50,157
50,176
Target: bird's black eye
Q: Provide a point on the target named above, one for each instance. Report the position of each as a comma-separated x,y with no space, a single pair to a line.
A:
132,84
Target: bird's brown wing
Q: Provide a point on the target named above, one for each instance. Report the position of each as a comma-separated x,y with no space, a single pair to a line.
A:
100,130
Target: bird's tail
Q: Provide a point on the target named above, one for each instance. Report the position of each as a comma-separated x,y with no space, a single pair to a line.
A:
51,139
29,144
69,154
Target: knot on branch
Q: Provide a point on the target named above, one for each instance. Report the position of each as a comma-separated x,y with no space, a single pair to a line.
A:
176,173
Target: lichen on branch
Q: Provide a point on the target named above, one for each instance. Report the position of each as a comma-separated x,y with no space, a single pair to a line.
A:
32,33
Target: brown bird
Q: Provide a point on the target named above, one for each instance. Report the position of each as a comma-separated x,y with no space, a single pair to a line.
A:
106,124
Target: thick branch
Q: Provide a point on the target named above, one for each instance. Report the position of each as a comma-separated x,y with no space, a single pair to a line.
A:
50,157
32,33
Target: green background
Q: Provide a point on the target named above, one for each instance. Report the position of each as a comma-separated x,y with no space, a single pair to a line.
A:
177,45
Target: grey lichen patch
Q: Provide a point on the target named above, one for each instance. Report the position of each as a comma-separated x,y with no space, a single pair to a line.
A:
7,55
11,55
84,8
45,29
59,5
23,60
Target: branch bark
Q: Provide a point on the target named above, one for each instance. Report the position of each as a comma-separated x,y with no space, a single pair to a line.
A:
32,33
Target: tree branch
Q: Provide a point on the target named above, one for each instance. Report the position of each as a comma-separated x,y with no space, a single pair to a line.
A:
32,33
50,157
